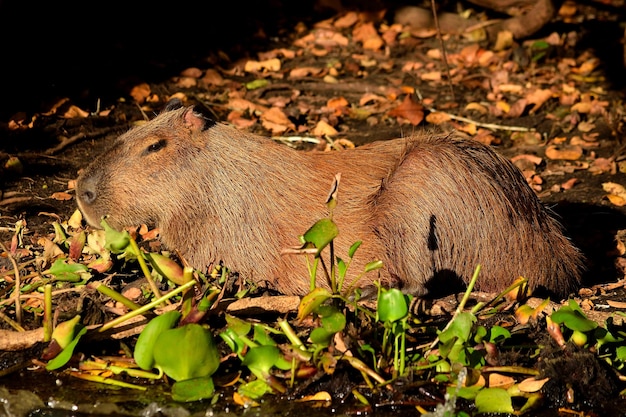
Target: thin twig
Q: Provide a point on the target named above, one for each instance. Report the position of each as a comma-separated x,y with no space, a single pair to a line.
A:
443,47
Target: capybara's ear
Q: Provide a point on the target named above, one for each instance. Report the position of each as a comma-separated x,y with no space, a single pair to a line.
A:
173,104
196,118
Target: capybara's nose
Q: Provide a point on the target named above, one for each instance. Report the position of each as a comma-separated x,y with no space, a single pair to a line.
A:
86,191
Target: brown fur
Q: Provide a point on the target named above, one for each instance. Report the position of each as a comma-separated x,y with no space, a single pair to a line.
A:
431,207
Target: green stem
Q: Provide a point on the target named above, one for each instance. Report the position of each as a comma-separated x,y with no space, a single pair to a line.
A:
144,268
147,307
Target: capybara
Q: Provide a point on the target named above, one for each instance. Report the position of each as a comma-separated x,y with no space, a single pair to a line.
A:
431,206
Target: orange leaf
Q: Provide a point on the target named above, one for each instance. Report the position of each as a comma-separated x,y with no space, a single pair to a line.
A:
368,36
323,129
409,110
276,121
61,196
140,92
566,152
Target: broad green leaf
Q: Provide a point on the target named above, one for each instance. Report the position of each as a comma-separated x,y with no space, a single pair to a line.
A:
66,354
493,400
332,321
237,325
144,348
393,305
68,272
573,319
254,389
321,234
262,337
260,360
186,352
498,333
461,327
193,389
116,241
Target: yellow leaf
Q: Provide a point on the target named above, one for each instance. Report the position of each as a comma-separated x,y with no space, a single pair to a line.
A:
318,396
616,200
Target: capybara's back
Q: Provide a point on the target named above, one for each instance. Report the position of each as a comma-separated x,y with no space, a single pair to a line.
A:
431,207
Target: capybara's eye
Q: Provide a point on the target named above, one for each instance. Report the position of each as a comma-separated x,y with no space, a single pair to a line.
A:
155,147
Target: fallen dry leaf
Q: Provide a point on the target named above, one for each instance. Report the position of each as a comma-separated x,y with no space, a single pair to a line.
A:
408,110
437,118
367,34
499,380
431,76
323,129
532,384
276,121
304,72
272,65
140,92
569,184
564,152
61,196
617,193
346,21
537,98
616,304
477,107
192,72
212,77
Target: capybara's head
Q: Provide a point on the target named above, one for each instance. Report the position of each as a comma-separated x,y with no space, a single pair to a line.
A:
137,180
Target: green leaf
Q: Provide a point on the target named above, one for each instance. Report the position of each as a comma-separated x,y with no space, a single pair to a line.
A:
461,328
186,352
193,389
312,301
66,354
260,83
254,389
237,325
65,332
116,241
393,305
494,400
260,360
353,248
372,266
321,234
498,333
166,267
144,348
262,337
341,267
332,321
573,319
68,272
